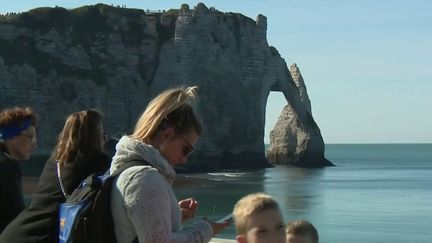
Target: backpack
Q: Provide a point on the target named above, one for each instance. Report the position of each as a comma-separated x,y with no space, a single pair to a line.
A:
86,215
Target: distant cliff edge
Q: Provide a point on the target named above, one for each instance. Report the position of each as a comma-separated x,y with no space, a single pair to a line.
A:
116,59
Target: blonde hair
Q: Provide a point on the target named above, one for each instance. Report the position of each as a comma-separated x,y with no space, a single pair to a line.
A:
248,206
81,134
171,108
302,228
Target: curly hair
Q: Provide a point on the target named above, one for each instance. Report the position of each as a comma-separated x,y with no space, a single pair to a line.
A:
17,115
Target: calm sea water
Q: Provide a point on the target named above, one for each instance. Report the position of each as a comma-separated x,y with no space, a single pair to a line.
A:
376,193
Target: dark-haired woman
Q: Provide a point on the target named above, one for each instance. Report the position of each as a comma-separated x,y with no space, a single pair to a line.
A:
78,153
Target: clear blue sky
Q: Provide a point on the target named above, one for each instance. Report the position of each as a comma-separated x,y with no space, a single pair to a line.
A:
367,64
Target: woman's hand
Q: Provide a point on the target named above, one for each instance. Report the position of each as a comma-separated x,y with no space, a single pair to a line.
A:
188,208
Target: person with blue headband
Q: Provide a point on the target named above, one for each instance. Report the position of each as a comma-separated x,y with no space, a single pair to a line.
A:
77,154
17,142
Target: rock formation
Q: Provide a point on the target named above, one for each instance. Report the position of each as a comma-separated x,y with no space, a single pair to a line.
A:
296,139
116,59
292,143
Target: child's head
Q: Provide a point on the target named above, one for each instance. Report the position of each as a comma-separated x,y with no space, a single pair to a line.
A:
301,231
258,219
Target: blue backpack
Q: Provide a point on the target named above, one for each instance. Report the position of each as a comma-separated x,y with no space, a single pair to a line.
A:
86,217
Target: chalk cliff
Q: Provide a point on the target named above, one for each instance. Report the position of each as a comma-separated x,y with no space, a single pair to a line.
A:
117,59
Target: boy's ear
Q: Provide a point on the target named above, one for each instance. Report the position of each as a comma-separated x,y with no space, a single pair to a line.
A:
241,239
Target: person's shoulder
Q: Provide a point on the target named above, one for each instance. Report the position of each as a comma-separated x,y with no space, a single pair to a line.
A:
141,171
103,160
5,161
103,156
96,159
8,167
95,155
139,174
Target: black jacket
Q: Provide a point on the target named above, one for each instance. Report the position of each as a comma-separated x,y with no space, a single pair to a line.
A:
11,197
39,222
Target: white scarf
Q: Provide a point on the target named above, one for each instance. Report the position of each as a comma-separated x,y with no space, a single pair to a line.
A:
129,149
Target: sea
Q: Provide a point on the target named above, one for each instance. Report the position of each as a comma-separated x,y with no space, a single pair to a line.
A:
376,193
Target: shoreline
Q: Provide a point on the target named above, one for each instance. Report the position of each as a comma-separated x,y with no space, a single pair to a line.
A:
29,183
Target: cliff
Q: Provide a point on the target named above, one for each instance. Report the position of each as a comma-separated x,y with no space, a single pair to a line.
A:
297,139
116,59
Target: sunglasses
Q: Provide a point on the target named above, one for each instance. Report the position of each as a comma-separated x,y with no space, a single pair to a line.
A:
188,149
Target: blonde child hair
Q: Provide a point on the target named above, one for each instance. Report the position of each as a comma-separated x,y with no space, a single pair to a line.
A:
302,228
249,205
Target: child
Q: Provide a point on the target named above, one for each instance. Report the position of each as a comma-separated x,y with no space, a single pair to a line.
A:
301,231
258,219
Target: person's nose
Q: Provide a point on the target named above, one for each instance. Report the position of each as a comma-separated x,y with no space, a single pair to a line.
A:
34,143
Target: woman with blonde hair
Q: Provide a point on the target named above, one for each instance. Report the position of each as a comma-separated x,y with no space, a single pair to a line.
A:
78,153
143,204
17,142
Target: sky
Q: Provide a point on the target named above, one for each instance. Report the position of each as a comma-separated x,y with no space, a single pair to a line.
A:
367,64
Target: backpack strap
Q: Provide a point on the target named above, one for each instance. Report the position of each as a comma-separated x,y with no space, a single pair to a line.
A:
124,166
60,180
116,172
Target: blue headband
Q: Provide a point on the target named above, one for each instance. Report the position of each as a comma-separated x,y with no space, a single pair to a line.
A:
11,130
